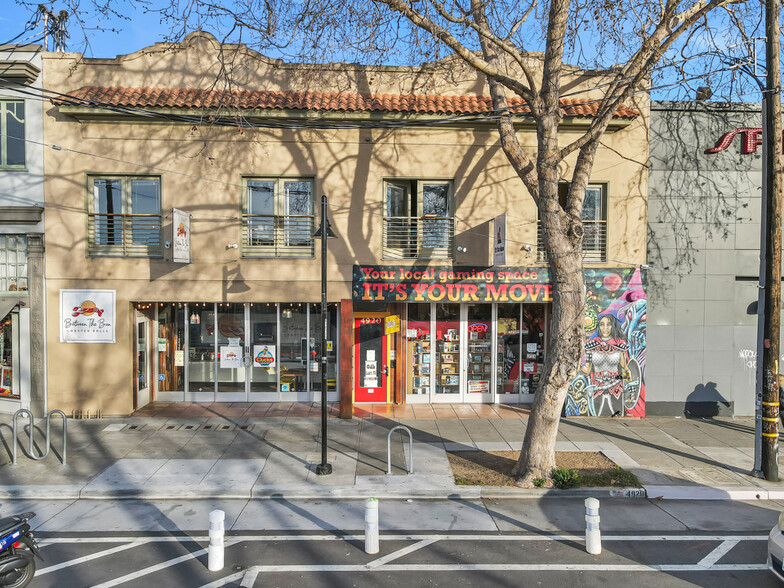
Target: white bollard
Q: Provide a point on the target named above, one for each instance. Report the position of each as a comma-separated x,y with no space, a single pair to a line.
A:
593,536
215,550
371,526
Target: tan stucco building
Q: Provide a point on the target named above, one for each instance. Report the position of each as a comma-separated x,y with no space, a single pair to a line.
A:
231,151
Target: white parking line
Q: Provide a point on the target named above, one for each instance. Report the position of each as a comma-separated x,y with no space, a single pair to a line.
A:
249,579
391,537
715,555
92,556
490,568
401,552
152,569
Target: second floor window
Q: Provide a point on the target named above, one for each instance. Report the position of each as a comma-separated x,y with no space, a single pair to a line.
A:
12,134
124,217
594,223
278,219
418,219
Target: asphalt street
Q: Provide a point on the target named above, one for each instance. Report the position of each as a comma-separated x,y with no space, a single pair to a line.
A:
508,542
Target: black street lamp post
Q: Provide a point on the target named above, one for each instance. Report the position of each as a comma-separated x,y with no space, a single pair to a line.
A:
324,233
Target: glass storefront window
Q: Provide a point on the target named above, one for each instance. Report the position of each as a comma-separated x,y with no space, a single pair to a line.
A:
294,347
419,353
508,349
315,349
7,357
532,347
231,347
264,351
171,347
480,348
447,342
201,348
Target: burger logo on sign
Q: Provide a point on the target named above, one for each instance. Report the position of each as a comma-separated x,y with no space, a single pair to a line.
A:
181,230
87,308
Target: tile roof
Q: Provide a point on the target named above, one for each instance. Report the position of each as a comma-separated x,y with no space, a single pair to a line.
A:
322,101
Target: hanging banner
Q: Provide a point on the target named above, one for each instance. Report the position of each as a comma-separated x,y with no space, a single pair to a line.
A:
181,236
230,357
499,240
264,356
87,316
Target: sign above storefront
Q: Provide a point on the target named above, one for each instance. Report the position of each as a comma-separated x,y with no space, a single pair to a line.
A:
181,236
391,283
87,316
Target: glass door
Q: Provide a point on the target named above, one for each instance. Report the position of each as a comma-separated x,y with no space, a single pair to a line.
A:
142,361
232,359
201,352
264,359
419,355
447,353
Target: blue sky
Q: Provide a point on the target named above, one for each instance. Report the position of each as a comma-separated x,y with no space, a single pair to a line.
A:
142,30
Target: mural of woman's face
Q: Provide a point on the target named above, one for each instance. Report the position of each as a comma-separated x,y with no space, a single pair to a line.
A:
605,327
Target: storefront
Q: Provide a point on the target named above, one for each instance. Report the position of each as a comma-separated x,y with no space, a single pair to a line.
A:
232,352
472,334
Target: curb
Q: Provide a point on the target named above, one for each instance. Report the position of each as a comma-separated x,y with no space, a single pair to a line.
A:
393,492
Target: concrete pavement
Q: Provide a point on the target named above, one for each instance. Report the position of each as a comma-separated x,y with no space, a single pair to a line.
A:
244,457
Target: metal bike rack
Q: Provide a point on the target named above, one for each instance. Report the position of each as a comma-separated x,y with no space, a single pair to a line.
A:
410,449
32,432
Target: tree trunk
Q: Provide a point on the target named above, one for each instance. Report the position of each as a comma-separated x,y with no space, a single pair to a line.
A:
562,235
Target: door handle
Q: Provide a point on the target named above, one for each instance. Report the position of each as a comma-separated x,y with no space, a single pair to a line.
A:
384,370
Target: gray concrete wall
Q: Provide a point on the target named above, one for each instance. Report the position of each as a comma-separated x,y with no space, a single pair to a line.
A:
703,253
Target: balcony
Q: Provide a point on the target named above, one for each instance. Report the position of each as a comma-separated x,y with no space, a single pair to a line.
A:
266,235
125,235
427,237
594,242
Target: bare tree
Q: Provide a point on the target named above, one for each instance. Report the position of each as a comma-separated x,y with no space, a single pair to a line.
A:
521,48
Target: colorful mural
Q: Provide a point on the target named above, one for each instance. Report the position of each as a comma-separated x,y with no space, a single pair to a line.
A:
611,378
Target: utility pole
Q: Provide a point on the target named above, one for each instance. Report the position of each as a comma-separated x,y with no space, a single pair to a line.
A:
54,23
771,253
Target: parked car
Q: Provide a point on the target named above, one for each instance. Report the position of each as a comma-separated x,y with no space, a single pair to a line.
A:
776,548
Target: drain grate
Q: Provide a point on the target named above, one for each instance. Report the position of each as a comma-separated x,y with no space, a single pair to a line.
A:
189,427
133,427
170,427
244,427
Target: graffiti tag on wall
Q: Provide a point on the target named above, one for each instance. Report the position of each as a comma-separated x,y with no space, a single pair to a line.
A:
611,378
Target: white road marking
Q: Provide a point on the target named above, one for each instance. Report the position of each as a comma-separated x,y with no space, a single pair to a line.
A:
715,555
152,569
498,568
226,580
401,552
249,579
92,556
392,537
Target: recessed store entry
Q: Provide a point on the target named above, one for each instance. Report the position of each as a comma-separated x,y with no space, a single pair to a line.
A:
242,352
370,360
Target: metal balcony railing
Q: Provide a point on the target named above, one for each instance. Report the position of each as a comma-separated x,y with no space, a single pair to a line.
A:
265,235
129,235
427,237
594,242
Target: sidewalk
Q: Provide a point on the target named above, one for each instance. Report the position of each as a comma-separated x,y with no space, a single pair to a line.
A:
223,451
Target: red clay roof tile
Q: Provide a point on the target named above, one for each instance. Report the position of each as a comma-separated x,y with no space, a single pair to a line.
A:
325,101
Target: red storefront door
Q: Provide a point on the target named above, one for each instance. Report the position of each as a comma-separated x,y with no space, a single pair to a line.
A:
370,360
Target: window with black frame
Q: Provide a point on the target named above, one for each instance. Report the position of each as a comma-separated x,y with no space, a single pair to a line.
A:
418,219
594,218
278,217
12,134
124,216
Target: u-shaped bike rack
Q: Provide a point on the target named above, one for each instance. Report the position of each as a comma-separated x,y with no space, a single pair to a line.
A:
24,411
410,449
